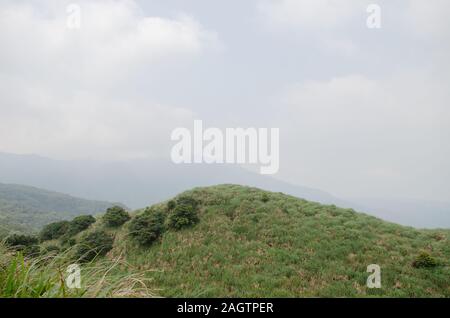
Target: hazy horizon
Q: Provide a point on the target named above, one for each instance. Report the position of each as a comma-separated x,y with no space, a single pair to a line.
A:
362,112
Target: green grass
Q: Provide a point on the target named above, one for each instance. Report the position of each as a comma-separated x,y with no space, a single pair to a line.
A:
288,247
253,243
44,277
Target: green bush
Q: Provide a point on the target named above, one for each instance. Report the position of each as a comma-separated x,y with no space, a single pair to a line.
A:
26,244
265,198
116,216
54,230
147,227
183,215
80,223
186,200
93,244
424,260
21,241
171,205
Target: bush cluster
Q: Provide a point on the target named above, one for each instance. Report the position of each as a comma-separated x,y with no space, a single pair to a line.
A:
19,241
27,244
115,216
184,214
80,223
54,230
97,243
147,227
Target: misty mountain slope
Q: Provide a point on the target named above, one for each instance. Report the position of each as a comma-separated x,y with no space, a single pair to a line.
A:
137,183
27,208
417,213
247,242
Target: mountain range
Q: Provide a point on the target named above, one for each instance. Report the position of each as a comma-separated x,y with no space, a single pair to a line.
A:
139,183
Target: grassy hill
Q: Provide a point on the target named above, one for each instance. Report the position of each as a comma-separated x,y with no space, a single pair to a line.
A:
25,209
247,242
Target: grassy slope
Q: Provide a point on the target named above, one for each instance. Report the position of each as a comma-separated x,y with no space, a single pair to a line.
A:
27,208
244,247
288,247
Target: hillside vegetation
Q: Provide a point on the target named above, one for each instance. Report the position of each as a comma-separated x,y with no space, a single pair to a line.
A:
24,208
234,241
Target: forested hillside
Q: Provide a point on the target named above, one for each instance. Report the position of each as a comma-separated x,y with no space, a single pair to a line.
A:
27,208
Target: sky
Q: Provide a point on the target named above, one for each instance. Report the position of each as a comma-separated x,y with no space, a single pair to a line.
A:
362,112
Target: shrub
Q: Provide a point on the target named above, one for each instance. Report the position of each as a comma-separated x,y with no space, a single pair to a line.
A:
265,198
21,241
94,244
182,216
147,227
171,205
54,230
116,216
186,200
424,260
80,223
26,244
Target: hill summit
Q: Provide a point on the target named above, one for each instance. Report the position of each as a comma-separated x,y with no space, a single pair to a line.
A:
235,241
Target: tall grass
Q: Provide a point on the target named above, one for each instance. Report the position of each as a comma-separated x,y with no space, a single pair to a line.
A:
45,276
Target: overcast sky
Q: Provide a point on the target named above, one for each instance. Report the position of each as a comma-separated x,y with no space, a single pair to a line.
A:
361,112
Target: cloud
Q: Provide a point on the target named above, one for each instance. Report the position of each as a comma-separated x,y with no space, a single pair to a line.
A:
317,21
366,131
310,14
428,18
72,91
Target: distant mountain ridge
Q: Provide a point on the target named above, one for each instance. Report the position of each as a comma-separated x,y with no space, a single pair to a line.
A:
139,183
26,208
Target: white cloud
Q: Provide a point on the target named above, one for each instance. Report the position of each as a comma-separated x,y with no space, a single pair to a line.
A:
363,132
428,17
310,14
69,92
115,39
319,20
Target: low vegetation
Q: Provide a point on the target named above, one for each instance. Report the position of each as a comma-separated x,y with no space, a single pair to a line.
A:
424,260
93,244
44,276
54,230
234,241
116,216
183,214
147,227
80,223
